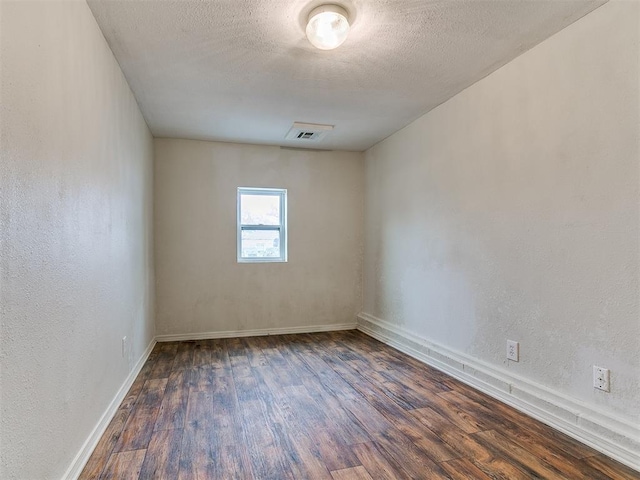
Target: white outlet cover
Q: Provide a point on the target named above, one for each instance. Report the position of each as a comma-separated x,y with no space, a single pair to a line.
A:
601,379
513,351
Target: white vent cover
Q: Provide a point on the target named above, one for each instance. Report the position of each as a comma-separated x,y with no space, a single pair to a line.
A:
308,132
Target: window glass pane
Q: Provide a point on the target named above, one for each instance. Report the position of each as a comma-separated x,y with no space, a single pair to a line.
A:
260,243
260,209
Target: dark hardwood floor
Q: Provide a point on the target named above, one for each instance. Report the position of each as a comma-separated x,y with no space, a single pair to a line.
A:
336,406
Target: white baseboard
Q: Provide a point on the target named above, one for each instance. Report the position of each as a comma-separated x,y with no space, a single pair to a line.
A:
255,333
615,437
81,459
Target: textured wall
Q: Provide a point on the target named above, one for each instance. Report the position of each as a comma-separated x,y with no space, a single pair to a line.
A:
76,252
200,285
511,212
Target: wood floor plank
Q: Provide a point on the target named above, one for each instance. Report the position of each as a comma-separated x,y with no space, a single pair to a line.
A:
313,466
567,465
269,443
483,417
339,419
327,377
414,460
240,365
285,375
387,368
551,453
537,467
460,418
196,461
292,430
287,345
139,427
354,473
184,357
357,381
333,405
562,453
246,390
308,414
235,347
384,433
362,414
306,458
254,352
610,468
422,385
490,463
233,459
226,436
196,458
219,355
174,403
380,466
201,379
162,460
268,461
518,421
335,454
201,353
107,442
372,421
463,469
421,436
124,465
164,361
135,389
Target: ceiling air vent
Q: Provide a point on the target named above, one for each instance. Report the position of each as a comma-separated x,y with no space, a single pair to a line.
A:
308,132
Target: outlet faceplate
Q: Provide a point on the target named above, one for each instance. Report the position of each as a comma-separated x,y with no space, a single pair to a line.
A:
513,351
601,379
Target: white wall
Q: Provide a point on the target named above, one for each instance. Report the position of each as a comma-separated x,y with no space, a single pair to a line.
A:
512,210
76,253
201,287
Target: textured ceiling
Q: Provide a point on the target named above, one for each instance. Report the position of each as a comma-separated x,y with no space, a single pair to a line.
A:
243,71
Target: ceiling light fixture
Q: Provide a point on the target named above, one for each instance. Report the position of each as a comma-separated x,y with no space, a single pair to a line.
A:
328,27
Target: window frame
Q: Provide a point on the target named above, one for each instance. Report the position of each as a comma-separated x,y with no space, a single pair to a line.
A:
281,228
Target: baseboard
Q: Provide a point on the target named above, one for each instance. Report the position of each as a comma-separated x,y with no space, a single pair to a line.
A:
81,459
613,436
255,333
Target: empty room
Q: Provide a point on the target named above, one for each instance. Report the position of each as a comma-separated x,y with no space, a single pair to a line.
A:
306,239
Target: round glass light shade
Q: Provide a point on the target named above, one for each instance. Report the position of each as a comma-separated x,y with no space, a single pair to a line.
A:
327,27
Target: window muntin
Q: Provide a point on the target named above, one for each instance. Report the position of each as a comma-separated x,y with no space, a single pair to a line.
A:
262,222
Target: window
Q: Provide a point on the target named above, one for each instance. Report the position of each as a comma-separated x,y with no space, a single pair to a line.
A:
262,225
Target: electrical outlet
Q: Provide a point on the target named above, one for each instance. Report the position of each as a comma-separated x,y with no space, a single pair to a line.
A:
124,346
601,379
513,351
